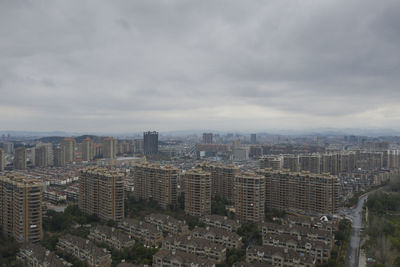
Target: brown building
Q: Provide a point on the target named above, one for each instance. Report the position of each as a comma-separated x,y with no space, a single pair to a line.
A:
33,255
101,192
41,157
155,182
273,162
147,233
168,258
20,158
68,146
113,237
222,177
85,250
59,157
250,197
87,150
109,149
197,187
277,256
21,207
311,163
197,246
316,193
167,223
2,160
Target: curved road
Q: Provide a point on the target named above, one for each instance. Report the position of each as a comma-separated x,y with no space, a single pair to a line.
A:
355,215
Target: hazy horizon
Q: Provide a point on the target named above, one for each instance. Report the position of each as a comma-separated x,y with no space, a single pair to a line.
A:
131,66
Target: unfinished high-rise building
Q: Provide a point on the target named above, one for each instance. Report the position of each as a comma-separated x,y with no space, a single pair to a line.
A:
101,192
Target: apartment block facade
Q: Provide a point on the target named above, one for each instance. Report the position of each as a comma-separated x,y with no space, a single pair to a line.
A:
222,177
303,191
21,208
250,197
101,192
197,187
155,182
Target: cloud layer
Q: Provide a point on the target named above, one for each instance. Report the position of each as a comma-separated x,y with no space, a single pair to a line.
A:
115,66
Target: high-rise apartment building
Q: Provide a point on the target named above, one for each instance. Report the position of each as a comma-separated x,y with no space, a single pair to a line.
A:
222,177
20,158
8,147
87,151
273,162
303,191
253,139
2,160
197,187
311,163
101,192
41,158
59,157
109,149
150,143
139,146
250,197
49,152
155,182
21,207
68,146
207,138
291,162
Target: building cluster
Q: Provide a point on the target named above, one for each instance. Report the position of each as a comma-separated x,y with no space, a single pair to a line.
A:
297,241
334,163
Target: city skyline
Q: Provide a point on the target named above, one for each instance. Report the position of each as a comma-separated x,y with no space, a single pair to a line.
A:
127,67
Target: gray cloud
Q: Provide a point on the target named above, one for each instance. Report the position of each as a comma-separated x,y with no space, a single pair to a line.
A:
132,65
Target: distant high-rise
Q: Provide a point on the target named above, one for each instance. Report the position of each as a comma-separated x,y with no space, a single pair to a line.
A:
138,145
49,152
253,139
2,160
197,187
68,146
250,197
311,163
59,157
207,138
101,192
8,147
41,159
150,142
156,182
21,208
109,148
87,151
20,158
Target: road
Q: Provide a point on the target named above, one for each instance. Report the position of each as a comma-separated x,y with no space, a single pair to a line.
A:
355,215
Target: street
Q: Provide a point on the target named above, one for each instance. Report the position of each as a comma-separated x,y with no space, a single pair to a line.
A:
355,215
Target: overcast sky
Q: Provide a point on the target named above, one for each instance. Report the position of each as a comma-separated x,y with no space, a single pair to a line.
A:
120,66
